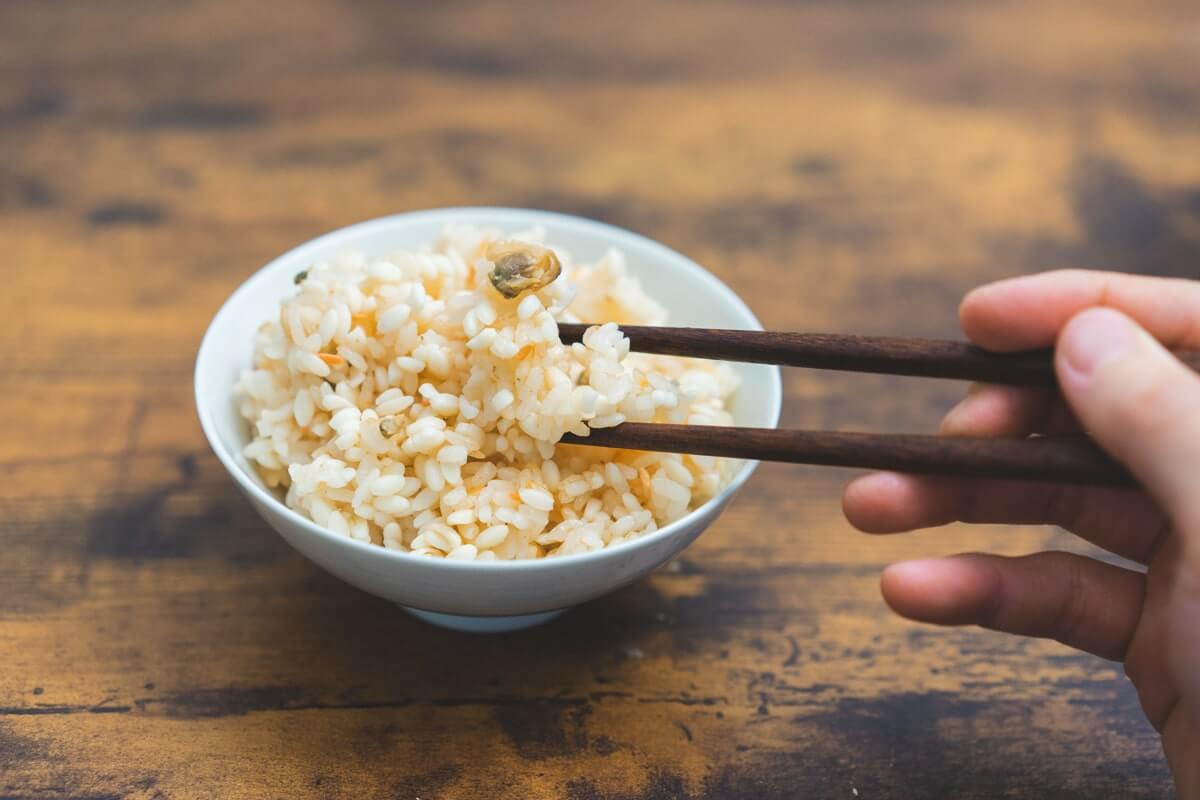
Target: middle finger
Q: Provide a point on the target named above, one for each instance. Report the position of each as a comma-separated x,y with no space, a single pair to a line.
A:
1122,521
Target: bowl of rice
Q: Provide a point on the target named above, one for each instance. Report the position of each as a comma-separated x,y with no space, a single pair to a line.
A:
390,398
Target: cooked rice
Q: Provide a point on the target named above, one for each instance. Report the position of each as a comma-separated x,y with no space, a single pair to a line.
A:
402,401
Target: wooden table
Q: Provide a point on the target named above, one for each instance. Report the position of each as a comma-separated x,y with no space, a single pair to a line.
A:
846,166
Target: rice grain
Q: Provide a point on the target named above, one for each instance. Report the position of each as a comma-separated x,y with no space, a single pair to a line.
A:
402,401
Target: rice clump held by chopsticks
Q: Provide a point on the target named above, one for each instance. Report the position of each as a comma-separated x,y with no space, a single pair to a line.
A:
404,401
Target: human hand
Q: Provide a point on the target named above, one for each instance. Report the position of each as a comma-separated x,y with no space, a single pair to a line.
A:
1143,406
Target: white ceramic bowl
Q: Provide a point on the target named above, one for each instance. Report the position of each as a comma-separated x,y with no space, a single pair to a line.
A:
468,595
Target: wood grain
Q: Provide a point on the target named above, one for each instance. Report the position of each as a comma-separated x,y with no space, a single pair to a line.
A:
845,167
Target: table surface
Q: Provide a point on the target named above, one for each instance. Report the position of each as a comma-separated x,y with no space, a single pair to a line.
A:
846,166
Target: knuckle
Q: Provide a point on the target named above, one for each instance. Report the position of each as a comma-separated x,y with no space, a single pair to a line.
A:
1072,612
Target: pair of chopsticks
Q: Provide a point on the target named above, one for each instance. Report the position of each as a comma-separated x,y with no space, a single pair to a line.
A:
1060,459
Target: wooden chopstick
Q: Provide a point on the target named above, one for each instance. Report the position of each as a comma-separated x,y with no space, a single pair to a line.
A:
1059,459
929,358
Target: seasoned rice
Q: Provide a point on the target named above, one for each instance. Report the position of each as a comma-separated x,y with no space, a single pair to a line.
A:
403,401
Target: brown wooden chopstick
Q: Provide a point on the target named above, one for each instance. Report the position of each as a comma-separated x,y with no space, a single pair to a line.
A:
1060,459
930,358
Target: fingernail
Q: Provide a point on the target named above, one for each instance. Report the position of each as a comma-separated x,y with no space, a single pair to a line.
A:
960,420
957,418
1094,338
916,569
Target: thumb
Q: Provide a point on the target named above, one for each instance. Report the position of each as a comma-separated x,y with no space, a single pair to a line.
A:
1143,406
1140,404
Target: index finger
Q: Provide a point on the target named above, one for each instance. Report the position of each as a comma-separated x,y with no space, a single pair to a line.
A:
1028,312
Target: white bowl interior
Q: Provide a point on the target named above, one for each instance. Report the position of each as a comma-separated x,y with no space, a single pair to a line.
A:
691,295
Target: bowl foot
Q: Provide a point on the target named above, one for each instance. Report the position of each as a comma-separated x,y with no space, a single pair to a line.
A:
483,624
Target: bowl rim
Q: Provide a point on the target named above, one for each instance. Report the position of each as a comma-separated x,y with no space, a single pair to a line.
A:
514,215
